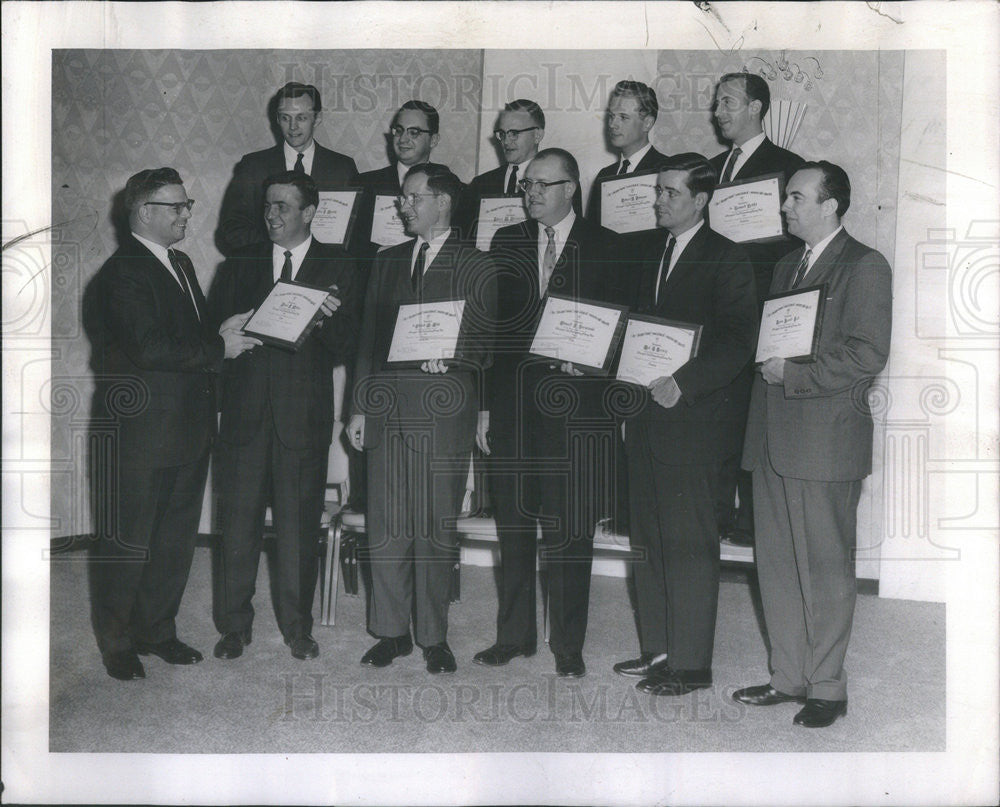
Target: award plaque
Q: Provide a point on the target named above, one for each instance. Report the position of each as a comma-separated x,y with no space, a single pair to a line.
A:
334,216
627,202
425,330
790,324
287,315
495,212
748,210
387,226
579,331
653,348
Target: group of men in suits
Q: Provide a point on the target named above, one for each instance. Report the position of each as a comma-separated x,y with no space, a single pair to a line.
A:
542,423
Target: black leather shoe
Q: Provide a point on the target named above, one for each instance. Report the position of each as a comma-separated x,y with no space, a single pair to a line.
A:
172,651
645,665
500,654
570,665
304,647
765,695
382,653
818,713
440,659
124,666
739,537
231,644
675,682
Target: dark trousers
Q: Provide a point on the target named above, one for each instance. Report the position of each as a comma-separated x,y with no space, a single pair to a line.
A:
293,481
677,580
139,572
414,498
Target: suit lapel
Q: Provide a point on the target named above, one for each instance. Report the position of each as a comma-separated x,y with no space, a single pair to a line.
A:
827,262
688,260
758,163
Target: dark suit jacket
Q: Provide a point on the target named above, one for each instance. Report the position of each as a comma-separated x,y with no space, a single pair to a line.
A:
818,425
519,385
408,398
155,363
767,159
711,285
241,222
653,159
295,390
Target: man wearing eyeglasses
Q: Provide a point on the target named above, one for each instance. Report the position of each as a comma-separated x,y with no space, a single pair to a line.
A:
156,355
677,436
277,419
417,425
540,471
296,109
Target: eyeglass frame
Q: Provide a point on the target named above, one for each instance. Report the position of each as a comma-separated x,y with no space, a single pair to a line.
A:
526,184
502,134
397,131
177,206
408,198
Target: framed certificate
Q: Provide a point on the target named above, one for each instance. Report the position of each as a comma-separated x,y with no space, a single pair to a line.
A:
387,226
583,332
287,315
425,330
790,324
654,347
749,210
627,202
497,211
335,216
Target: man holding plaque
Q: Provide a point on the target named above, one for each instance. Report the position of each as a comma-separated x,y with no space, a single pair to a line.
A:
741,102
809,446
543,418
277,417
425,340
297,111
679,431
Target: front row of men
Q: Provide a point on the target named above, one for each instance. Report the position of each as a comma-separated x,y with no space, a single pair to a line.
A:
808,443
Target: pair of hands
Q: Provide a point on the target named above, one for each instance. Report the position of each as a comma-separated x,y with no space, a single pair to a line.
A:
238,342
664,389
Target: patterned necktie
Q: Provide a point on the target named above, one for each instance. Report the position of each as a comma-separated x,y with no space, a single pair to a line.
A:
800,270
418,266
668,253
512,182
623,168
286,267
175,264
549,259
299,168
734,155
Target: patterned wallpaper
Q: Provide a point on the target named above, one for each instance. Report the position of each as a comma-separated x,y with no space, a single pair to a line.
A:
115,112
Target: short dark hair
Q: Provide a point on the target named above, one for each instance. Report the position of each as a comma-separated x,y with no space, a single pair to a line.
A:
568,161
433,118
294,89
755,87
440,179
524,105
303,183
643,93
701,177
833,185
147,182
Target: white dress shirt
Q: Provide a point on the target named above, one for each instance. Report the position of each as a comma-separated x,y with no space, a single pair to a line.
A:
682,241
816,251
562,229
746,152
298,255
634,160
433,248
291,155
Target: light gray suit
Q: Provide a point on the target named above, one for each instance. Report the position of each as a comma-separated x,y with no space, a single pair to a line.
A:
809,445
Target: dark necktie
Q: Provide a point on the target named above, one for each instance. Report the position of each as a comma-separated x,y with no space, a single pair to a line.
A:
418,266
299,168
286,267
623,168
800,270
548,259
668,253
734,155
512,182
176,264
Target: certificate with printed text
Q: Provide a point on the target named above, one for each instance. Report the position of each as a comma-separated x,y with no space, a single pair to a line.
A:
387,226
748,210
790,324
579,331
425,330
627,203
334,216
496,212
287,315
653,348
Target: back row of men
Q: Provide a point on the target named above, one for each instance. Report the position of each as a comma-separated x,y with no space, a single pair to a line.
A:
542,423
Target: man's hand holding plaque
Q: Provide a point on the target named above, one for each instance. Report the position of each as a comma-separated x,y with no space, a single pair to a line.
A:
579,333
789,326
290,312
654,349
426,334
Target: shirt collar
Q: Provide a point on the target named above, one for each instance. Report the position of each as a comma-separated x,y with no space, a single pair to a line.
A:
636,158
298,255
817,250
158,250
292,154
685,237
433,248
750,146
562,229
